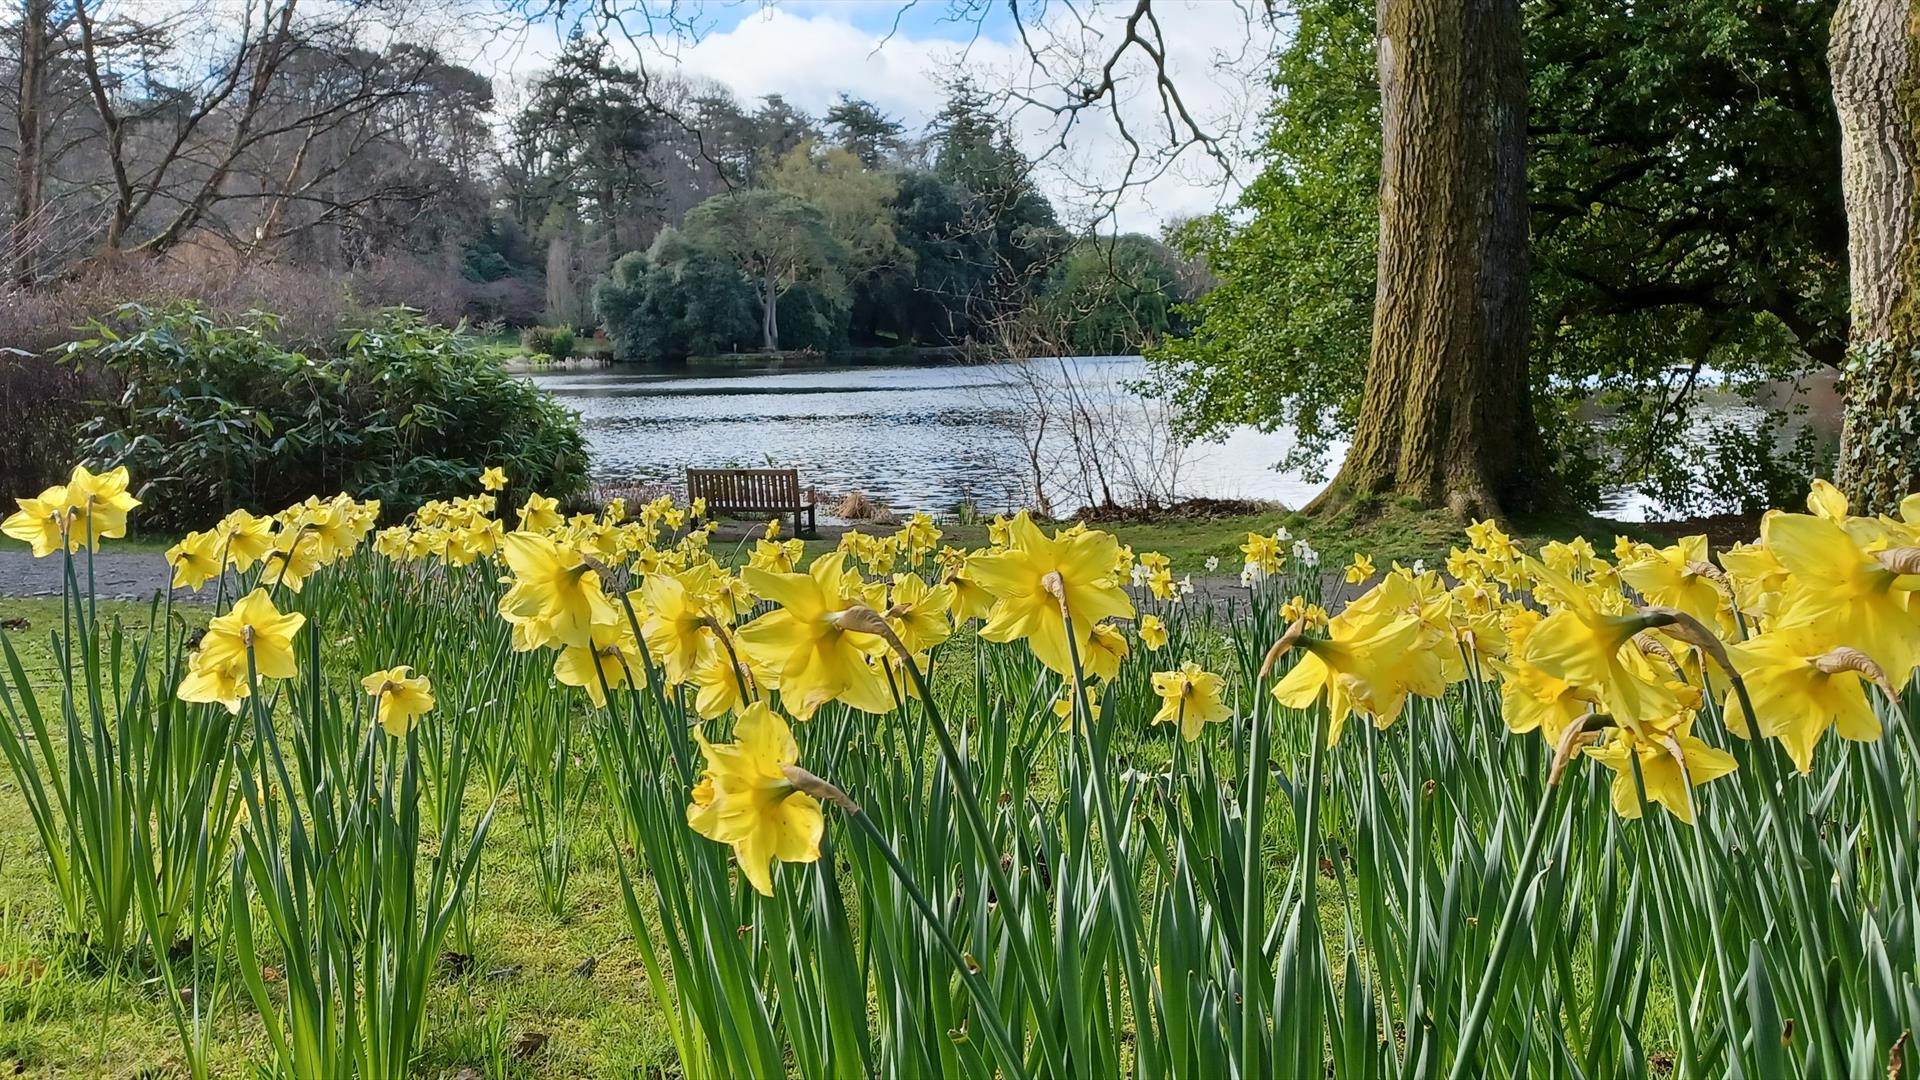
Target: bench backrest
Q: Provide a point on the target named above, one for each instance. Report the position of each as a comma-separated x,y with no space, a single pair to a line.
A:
745,489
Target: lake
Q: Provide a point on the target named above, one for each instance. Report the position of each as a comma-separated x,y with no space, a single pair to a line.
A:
931,437
916,437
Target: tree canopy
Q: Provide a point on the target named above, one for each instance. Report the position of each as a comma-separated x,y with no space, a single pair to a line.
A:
1686,224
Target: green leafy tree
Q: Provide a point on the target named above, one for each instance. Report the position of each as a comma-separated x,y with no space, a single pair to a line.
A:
776,240
860,128
1113,296
1686,219
675,301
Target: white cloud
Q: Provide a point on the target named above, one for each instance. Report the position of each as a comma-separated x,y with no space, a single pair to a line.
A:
811,52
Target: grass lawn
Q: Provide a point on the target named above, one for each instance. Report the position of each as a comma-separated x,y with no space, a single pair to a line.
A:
61,1017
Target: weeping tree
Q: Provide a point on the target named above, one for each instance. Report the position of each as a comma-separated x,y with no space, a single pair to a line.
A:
1875,57
1446,417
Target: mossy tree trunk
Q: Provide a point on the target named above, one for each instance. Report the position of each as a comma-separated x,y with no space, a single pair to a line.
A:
1876,90
1447,415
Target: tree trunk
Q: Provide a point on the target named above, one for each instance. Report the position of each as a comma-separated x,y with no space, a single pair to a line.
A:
770,314
30,181
1875,82
1447,415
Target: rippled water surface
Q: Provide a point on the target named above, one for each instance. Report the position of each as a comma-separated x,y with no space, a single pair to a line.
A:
917,437
930,437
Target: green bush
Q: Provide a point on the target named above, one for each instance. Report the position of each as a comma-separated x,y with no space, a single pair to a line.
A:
216,416
554,341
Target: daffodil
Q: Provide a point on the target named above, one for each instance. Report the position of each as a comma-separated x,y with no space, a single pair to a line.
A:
494,478
1263,557
1532,700
295,557
214,684
401,698
808,657
1038,582
747,801
555,596
100,505
1679,576
1801,688
195,559
1366,666
218,670
676,624
1106,648
1360,569
1843,592
245,539
1826,501
720,685
1586,647
1191,698
1153,633
41,522
613,656
539,514
918,612
1672,760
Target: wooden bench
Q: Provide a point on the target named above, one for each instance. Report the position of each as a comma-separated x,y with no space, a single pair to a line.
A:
753,491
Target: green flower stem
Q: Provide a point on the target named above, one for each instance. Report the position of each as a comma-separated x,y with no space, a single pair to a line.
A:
1503,938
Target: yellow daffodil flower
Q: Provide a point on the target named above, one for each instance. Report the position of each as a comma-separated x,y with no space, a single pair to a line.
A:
1360,569
676,624
41,522
1029,580
195,559
1843,592
1800,688
1586,647
919,613
1679,577
745,799
1153,633
218,670
1191,698
613,655
1106,648
555,596
539,514
401,698
1661,772
801,646
494,478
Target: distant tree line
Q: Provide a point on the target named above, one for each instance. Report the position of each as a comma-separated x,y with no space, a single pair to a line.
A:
685,220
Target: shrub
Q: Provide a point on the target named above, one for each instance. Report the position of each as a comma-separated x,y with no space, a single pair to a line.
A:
217,415
554,341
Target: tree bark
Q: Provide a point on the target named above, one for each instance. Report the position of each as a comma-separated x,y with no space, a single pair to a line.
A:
30,116
770,314
1876,91
1447,418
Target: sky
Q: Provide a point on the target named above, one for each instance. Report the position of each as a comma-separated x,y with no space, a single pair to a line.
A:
898,54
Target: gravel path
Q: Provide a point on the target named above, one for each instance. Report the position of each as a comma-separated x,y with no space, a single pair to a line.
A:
117,575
